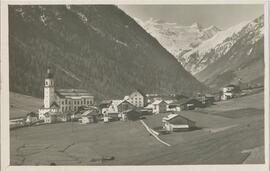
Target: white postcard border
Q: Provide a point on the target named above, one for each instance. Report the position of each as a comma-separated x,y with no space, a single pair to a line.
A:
5,146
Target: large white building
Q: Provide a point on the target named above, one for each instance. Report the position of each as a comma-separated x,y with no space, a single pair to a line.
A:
63,100
137,98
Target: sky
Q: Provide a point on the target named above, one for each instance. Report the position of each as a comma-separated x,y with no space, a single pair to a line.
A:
222,16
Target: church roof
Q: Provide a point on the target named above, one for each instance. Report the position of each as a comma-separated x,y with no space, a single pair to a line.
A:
72,93
54,105
49,73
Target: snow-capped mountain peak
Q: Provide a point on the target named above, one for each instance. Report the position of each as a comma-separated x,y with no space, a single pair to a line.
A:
226,55
177,38
196,26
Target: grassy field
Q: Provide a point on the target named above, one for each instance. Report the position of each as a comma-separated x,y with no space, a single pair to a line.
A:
72,143
20,104
226,135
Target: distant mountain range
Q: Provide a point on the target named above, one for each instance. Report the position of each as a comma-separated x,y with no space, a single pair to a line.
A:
215,57
176,38
95,47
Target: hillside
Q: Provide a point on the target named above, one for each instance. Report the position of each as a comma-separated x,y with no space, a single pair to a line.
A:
95,47
243,61
20,104
236,54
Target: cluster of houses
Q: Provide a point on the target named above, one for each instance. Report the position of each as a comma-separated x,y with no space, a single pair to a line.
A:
66,105
230,91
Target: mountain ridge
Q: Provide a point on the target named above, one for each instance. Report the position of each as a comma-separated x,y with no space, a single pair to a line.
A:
205,48
95,47
177,38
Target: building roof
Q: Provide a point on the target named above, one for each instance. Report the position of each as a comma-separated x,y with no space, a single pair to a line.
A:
183,101
54,105
116,102
49,73
89,113
49,114
169,101
158,102
32,114
73,93
149,106
64,114
126,97
139,91
130,110
105,104
179,120
231,85
169,117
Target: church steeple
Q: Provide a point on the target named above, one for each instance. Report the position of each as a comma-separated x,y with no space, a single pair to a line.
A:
49,73
49,95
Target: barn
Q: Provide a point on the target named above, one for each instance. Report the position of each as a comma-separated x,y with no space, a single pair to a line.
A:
176,122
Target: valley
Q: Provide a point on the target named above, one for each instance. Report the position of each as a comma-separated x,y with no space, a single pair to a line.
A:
221,139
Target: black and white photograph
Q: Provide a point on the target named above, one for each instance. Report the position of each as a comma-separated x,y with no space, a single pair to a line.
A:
135,84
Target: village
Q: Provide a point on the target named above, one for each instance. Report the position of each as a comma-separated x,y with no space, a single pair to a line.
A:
77,105
74,128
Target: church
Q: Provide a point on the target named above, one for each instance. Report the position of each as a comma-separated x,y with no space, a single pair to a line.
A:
62,100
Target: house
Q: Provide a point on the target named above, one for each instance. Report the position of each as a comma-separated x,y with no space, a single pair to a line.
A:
137,98
159,106
53,108
115,107
206,99
17,121
185,104
62,100
130,114
72,99
175,122
229,91
31,117
64,117
155,97
145,111
76,116
180,96
89,116
168,104
50,117
103,106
